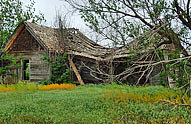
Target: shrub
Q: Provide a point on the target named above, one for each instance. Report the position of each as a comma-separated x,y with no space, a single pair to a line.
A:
45,82
7,62
60,72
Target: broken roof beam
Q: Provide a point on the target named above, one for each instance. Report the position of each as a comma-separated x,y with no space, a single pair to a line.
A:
75,70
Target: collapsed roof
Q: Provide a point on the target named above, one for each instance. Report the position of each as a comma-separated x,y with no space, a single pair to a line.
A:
73,42
77,43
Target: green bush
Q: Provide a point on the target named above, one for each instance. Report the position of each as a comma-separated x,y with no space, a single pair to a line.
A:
60,72
45,82
7,62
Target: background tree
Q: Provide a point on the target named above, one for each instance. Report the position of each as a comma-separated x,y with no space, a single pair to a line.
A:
123,20
127,19
12,12
7,64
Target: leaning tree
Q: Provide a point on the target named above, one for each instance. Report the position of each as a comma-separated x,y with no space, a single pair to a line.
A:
129,18
154,23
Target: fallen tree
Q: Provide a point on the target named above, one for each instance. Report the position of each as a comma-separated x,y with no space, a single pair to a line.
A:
156,25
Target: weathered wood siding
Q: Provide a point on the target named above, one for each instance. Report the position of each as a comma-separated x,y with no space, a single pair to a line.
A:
25,42
29,49
39,69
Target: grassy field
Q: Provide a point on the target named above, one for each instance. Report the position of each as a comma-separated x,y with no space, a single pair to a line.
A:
97,104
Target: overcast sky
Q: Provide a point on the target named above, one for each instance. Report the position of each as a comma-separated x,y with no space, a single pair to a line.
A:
49,8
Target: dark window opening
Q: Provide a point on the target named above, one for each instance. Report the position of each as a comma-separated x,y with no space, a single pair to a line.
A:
26,69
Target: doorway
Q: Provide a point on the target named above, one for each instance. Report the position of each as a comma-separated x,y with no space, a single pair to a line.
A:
26,69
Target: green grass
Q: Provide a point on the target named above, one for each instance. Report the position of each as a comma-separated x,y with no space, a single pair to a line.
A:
91,104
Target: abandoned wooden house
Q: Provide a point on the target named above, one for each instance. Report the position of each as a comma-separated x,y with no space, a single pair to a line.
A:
88,60
34,41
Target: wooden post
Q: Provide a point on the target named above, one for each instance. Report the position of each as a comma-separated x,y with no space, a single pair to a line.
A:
75,70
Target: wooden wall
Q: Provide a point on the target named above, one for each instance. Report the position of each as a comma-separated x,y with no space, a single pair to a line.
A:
25,42
29,49
39,69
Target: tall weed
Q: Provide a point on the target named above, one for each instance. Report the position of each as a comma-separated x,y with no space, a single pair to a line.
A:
27,86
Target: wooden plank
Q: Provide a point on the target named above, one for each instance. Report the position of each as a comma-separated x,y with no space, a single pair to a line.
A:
39,71
75,70
39,67
38,74
39,77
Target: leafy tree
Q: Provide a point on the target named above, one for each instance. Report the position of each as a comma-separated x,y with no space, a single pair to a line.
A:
130,18
12,13
123,20
7,62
